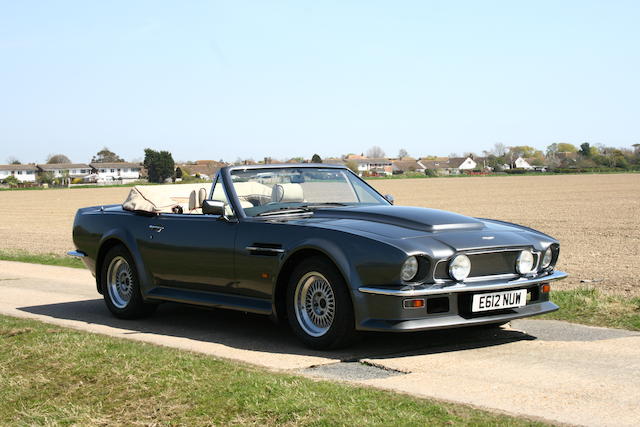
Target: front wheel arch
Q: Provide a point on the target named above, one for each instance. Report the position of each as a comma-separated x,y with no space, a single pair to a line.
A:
280,292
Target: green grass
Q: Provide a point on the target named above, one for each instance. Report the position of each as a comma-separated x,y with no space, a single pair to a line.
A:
47,259
52,376
589,306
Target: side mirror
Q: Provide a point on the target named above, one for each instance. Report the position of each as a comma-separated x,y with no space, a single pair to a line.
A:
213,207
389,198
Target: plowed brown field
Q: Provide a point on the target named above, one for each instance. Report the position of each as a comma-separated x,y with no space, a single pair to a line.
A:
595,217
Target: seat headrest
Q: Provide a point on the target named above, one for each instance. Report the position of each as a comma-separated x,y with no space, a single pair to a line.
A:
202,196
282,193
192,201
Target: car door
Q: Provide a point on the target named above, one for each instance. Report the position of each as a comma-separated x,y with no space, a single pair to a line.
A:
191,251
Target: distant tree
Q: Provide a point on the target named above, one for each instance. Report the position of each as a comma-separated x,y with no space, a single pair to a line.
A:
585,149
297,159
402,153
353,166
159,164
552,150
106,156
11,181
565,147
375,152
316,159
522,151
178,172
57,158
46,178
499,149
13,161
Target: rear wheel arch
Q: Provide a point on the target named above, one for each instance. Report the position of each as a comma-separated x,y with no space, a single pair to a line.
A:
105,247
280,292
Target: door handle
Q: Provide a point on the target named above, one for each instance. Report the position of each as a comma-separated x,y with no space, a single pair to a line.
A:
157,228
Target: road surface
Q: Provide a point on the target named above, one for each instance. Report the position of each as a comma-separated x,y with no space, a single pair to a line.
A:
542,369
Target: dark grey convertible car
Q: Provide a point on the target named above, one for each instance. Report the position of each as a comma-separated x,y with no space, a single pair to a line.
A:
317,245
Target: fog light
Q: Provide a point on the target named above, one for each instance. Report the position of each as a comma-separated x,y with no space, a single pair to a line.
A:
413,303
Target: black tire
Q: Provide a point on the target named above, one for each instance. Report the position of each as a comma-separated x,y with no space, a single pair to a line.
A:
119,262
313,280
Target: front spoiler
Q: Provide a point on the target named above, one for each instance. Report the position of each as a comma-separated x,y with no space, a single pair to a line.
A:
454,320
447,288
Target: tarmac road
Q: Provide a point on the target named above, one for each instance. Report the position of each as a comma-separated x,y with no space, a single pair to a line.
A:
542,369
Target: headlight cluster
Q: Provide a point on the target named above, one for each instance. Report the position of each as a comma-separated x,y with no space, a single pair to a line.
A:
525,262
460,267
409,269
547,258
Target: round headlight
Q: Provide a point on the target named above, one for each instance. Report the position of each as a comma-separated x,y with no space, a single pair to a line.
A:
409,269
524,263
546,259
460,267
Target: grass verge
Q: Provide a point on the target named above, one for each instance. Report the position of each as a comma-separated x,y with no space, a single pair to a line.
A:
47,259
589,306
51,375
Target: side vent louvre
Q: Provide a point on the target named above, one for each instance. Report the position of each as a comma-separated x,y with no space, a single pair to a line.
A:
265,249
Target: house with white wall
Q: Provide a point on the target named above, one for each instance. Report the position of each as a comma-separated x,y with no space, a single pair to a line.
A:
378,166
121,171
449,166
59,170
23,173
521,163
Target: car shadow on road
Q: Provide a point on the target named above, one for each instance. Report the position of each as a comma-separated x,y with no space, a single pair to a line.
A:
255,332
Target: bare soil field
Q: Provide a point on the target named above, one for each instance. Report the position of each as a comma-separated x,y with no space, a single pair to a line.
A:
595,217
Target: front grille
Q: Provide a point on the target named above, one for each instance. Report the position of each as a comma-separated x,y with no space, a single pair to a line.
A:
484,264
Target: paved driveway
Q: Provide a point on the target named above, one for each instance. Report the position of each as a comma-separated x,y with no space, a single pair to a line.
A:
553,370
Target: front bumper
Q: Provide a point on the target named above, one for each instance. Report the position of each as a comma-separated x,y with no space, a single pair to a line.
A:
447,306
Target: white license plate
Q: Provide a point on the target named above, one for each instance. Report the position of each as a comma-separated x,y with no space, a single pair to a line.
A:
498,300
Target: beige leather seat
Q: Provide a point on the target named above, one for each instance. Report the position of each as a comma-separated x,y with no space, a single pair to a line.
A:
195,201
283,193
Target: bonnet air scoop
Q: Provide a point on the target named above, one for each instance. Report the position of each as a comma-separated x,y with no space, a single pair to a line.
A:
423,219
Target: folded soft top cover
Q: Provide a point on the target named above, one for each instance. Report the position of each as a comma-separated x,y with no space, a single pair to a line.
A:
160,198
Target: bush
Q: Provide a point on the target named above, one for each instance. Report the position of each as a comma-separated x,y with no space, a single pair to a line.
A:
516,171
77,181
11,181
430,172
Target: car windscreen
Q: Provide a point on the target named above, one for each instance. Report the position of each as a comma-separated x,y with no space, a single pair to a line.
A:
267,191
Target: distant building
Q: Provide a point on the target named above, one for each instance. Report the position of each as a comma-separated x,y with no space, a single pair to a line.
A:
120,171
59,170
203,168
449,166
404,166
378,166
23,173
521,163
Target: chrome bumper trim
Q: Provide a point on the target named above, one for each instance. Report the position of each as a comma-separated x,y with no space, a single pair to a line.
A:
78,254
436,289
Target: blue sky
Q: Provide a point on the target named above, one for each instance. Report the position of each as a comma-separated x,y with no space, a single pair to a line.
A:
211,80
